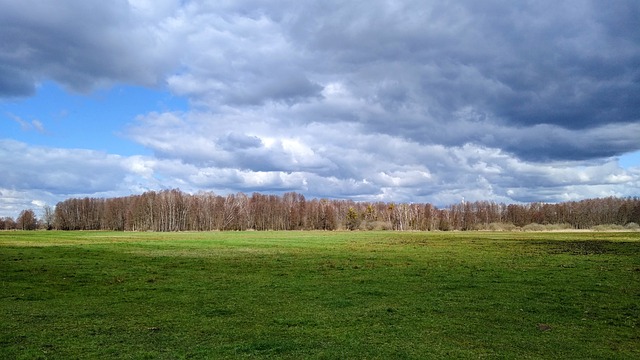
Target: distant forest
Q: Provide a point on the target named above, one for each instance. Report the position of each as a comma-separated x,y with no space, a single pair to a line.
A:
174,210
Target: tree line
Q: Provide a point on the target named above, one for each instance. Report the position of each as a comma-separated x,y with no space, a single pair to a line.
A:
174,210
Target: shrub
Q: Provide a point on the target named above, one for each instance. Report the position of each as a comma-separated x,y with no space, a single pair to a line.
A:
497,226
632,226
376,225
556,227
534,227
608,227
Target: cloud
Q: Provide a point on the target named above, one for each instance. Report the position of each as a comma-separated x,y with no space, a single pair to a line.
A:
495,74
434,173
58,171
395,101
339,160
238,59
25,125
81,45
34,176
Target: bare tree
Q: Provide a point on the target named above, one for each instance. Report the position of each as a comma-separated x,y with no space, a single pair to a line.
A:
7,223
48,217
174,210
27,220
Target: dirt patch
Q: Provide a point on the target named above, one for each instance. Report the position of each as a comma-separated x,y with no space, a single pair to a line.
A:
544,327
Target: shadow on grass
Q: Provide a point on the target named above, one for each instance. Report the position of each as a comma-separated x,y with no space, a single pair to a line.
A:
584,247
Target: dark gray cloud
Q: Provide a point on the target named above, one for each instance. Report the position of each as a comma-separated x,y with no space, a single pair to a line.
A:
15,83
517,65
289,89
80,44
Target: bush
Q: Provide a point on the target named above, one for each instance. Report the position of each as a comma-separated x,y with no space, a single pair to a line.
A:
534,227
375,225
547,227
632,226
497,226
557,227
608,227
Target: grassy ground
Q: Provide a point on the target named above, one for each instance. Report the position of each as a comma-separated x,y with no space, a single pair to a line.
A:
325,295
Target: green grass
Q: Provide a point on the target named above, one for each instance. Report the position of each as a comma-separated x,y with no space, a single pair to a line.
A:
322,295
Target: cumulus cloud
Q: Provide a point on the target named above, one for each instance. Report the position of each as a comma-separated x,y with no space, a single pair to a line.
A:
339,160
60,171
396,101
496,74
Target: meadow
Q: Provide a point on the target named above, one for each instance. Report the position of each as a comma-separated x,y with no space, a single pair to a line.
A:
319,295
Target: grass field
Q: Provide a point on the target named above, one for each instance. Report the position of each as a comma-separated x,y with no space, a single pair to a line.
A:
319,295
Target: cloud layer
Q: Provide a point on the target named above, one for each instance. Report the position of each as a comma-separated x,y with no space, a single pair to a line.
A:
397,101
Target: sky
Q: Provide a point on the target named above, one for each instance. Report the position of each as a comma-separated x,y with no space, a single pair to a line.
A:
396,101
